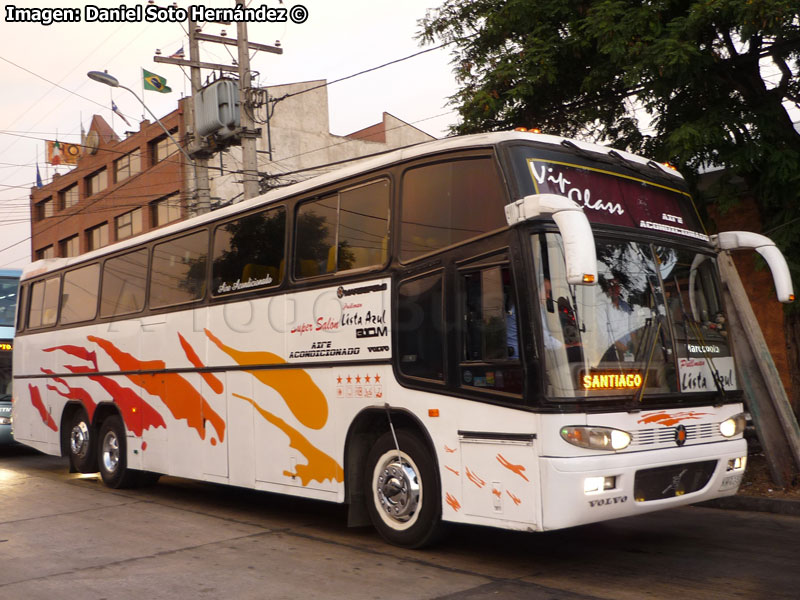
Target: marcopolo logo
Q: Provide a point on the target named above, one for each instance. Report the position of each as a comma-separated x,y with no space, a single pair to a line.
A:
342,292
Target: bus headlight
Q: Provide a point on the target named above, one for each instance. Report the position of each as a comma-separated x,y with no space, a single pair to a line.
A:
596,438
732,426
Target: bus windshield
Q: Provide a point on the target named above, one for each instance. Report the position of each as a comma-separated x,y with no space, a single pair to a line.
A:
8,300
652,325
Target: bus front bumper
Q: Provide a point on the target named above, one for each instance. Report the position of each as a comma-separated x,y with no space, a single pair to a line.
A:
584,489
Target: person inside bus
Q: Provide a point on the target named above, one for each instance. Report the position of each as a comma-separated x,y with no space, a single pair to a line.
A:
551,342
512,334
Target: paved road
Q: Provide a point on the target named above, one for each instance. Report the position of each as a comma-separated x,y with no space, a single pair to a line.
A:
67,536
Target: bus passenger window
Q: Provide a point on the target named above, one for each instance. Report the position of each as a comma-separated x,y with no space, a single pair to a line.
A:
364,226
490,341
420,327
248,253
79,296
124,279
349,230
179,270
448,202
44,303
316,237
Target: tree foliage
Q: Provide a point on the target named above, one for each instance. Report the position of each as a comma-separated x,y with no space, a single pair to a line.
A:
695,82
698,83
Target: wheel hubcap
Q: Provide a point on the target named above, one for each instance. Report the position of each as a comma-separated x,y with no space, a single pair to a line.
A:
110,452
79,439
398,490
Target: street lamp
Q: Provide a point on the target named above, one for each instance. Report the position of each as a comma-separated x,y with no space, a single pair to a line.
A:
110,80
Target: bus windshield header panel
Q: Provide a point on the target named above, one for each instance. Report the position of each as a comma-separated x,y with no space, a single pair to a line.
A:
609,197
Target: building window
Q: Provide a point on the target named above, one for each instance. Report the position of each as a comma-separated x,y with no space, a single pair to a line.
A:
166,210
69,246
46,252
68,197
97,237
163,148
44,209
129,224
128,165
96,182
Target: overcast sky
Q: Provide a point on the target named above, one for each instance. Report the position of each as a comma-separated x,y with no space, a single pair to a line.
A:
46,94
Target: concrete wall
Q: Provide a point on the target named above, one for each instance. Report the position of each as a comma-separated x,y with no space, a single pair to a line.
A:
300,139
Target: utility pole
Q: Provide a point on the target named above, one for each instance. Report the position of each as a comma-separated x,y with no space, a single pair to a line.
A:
247,132
249,157
202,187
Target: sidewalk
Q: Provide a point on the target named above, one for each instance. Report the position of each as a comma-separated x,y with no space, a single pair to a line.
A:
778,506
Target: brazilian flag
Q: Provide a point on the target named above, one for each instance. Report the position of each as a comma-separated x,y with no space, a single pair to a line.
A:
155,82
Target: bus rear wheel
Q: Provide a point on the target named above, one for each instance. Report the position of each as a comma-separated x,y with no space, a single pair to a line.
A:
112,455
82,447
403,492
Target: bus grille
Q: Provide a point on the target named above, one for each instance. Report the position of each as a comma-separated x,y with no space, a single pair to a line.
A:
665,436
672,481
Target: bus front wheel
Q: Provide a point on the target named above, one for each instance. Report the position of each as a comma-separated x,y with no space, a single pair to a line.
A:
82,444
112,457
403,495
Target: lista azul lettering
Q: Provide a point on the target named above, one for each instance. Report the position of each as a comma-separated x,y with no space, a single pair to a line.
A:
370,318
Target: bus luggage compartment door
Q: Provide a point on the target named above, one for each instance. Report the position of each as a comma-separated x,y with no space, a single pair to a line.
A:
500,478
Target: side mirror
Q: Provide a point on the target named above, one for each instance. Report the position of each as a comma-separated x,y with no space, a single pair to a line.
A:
576,233
739,240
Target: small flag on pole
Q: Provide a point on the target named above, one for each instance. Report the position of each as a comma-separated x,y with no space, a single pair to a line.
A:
118,113
179,54
155,82
38,177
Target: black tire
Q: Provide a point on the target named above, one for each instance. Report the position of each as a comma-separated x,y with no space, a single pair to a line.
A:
403,494
112,455
81,443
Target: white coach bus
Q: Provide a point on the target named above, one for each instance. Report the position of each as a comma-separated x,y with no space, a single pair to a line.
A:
508,329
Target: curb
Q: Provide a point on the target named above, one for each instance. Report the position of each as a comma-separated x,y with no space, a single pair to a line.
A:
778,506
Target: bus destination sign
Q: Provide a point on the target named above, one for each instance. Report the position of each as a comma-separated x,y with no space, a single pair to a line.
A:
614,199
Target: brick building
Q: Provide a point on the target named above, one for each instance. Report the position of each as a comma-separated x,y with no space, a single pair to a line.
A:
119,188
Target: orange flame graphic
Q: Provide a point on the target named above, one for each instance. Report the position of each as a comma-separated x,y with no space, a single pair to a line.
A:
516,500
452,502
36,400
518,469
452,470
320,466
301,394
666,419
213,382
448,449
179,396
475,479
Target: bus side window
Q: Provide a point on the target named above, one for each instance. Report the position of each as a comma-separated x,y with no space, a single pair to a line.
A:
79,296
124,279
44,302
248,252
179,270
490,341
448,202
22,306
420,327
